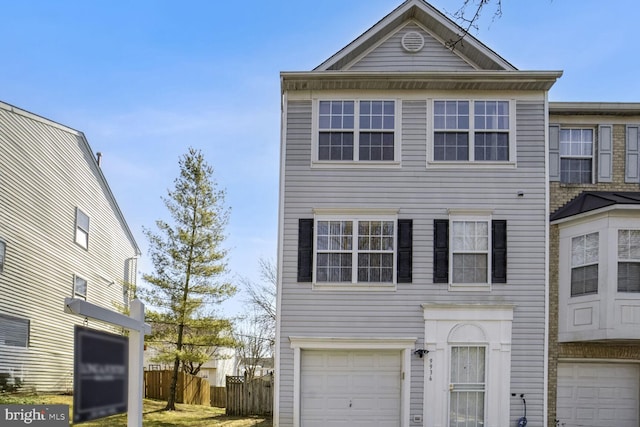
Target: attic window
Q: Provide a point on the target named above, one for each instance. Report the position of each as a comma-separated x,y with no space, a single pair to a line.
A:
412,42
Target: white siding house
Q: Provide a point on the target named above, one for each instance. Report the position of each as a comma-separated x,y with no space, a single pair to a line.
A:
412,233
223,362
61,235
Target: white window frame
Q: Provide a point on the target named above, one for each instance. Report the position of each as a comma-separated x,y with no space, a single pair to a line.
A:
356,162
578,157
471,162
625,260
584,264
81,235
76,293
355,217
470,216
609,314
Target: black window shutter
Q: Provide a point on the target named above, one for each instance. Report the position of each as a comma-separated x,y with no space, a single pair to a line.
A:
499,251
440,250
305,250
405,250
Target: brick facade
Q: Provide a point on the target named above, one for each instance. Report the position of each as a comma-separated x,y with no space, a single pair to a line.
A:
559,195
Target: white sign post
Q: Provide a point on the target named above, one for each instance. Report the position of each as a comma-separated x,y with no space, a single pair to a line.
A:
137,330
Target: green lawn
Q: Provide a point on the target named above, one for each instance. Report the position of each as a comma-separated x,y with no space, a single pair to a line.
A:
153,414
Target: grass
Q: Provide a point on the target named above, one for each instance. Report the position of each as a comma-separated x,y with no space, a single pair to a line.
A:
153,414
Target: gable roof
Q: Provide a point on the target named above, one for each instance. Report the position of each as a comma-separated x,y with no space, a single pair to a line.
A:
589,201
85,146
441,27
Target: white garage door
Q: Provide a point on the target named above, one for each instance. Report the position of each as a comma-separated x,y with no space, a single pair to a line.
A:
350,388
598,394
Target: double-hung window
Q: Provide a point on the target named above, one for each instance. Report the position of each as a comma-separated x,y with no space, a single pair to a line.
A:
14,331
628,260
467,386
82,229
576,156
472,131
334,249
584,264
357,131
470,251
79,287
355,250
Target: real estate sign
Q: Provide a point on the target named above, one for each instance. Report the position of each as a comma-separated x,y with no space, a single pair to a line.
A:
100,374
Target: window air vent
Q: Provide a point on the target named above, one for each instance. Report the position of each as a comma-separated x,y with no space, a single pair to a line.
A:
412,42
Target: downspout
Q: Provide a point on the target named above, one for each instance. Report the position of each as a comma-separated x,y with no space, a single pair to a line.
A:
545,403
276,371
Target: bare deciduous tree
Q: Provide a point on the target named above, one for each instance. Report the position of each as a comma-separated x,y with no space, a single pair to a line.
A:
255,343
468,15
256,331
262,296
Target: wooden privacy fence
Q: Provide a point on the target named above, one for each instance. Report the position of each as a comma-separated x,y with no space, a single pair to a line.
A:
249,397
218,396
191,390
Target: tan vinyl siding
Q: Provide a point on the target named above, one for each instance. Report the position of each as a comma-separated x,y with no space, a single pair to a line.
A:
421,194
389,55
46,171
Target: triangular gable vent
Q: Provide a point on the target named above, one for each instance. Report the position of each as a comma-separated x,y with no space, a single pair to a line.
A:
413,42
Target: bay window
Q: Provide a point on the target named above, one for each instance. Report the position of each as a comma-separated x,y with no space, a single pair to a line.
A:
628,260
584,264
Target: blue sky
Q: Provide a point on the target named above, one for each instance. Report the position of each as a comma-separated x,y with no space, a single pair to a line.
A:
146,79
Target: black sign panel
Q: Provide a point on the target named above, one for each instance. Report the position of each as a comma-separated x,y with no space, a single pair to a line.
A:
100,373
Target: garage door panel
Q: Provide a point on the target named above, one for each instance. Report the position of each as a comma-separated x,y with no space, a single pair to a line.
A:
337,361
364,359
363,382
354,388
337,382
337,403
598,394
323,422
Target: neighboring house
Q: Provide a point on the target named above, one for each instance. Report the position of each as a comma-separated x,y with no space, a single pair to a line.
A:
413,233
61,235
224,363
594,352
261,366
